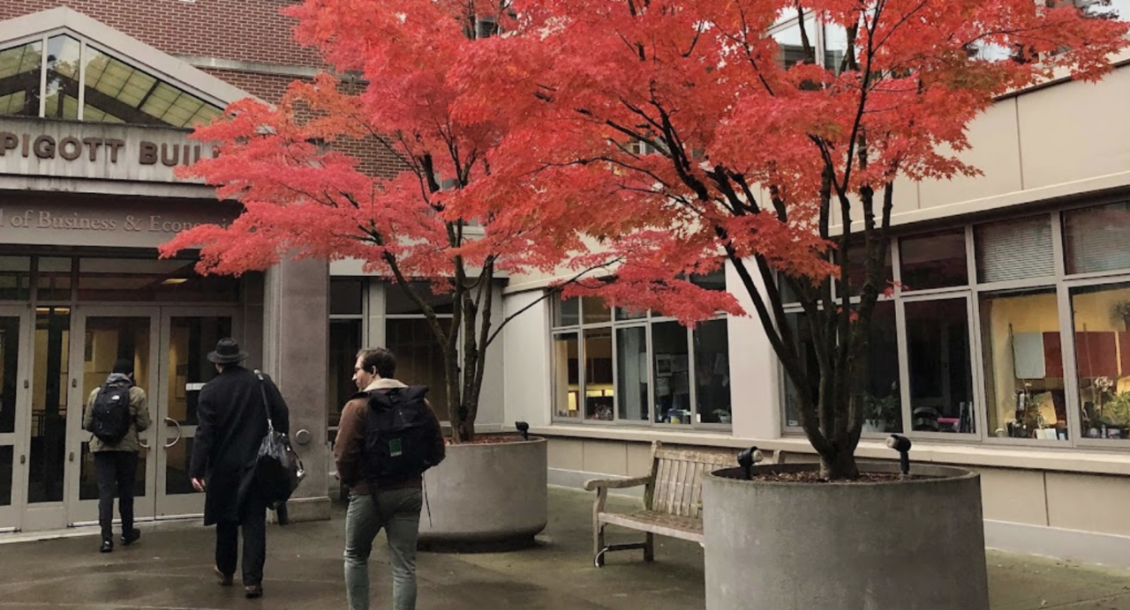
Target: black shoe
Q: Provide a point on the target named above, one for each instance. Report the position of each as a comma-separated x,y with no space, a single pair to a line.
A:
225,579
253,591
131,536
107,546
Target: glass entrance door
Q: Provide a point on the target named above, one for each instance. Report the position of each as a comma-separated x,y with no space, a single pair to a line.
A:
14,381
186,338
169,349
102,337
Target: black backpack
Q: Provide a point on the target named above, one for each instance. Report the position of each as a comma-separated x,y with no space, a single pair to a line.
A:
400,434
111,417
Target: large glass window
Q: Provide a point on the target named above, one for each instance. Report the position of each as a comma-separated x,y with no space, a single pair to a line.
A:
1095,239
566,375
419,359
1014,250
20,69
936,260
632,373
1023,364
614,364
671,372
114,91
940,369
61,99
882,401
1101,320
15,278
599,395
712,372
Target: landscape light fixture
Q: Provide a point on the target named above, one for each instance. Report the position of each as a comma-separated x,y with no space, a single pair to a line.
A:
523,429
747,458
901,444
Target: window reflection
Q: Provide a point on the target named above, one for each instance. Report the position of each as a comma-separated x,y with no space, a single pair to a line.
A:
61,99
19,79
672,373
631,373
117,92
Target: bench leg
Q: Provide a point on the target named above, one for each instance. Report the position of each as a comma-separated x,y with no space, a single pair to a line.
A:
598,547
649,548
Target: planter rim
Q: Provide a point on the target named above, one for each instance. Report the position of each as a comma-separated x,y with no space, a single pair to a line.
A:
954,474
534,440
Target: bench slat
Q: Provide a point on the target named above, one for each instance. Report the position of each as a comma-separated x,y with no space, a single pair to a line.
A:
685,528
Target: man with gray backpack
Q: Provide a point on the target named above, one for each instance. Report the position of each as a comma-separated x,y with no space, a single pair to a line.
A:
115,413
388,436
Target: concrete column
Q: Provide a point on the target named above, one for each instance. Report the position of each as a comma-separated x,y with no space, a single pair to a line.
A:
296,355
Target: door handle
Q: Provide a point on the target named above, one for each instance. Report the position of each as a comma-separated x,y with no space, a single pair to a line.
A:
180,433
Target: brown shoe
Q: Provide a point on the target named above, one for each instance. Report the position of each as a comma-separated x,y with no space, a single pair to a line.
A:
253,591
225,579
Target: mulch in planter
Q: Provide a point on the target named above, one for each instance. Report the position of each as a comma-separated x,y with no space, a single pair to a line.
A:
489,439
813,476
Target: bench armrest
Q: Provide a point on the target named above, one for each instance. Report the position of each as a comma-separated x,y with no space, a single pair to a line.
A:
595,484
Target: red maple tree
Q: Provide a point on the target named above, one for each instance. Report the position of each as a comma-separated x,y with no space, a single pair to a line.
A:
668,137
683,123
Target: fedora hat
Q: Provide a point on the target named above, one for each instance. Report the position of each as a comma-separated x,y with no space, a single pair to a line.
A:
227,352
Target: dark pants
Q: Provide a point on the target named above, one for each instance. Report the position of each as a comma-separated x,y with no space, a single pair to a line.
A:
253,521
116,471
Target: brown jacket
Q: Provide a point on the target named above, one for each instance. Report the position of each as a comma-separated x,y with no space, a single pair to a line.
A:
139,422
351,440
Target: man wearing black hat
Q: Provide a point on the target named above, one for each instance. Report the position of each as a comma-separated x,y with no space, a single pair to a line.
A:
232,424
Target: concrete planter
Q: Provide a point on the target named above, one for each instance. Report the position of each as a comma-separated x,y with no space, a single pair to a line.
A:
913,545
489,493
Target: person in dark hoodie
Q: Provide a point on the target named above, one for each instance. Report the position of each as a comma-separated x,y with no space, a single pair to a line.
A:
115,462
232,424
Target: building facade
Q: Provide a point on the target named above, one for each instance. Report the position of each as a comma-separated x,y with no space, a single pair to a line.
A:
1004,348
96,109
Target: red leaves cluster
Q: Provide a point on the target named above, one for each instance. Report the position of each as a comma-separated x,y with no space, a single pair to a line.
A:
541,127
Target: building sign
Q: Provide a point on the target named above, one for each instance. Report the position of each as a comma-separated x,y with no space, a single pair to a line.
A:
78,222
98,151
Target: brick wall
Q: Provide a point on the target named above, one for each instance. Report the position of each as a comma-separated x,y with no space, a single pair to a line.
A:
247,30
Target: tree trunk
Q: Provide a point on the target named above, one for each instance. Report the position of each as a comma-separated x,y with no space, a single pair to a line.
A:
840,466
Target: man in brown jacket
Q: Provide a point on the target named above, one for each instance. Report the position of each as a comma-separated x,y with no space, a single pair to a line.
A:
378,503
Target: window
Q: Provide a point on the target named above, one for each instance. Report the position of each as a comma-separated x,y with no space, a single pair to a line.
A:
15,278
419,358
940,366
20,68
1014,250
882,402
791,48
1023,364
618,365
1101,321
1095,239
936,260
85,83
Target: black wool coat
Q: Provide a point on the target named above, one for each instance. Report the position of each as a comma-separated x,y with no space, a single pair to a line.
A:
232,424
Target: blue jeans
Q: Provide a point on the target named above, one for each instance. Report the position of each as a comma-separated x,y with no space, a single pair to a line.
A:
398,512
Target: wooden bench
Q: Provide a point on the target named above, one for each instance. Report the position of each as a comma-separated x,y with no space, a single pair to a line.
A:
672,499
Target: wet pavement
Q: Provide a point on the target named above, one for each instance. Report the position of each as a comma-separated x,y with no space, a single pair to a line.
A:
170,569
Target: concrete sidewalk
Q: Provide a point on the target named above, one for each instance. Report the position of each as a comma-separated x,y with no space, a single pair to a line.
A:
170,569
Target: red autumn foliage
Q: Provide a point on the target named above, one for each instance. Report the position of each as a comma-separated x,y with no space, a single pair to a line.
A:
747,160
